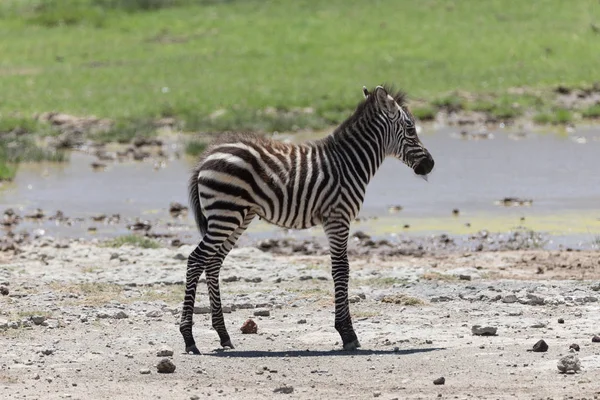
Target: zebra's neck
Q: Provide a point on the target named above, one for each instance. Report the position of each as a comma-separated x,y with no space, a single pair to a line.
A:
360,148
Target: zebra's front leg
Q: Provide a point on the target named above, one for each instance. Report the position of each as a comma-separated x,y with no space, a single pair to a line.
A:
337,234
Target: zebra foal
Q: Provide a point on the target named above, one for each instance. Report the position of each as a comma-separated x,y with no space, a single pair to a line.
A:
294,186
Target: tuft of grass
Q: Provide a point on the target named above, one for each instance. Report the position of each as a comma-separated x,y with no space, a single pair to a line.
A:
592,112
558,116
53,13
450,103
170,294
125,130
19,125
132,240
195,147
425,113
93,293
7,171
384,282
436,276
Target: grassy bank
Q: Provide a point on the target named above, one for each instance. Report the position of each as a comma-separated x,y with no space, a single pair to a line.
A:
278,65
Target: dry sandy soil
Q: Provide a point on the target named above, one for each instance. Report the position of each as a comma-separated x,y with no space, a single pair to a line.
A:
82,321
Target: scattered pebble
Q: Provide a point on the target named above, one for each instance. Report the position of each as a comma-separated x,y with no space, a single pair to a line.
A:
561,321
540,347
569,363
249,327
376,393
120,315
596,339
144,371
439,381
302,321
574,346
165,366
164,351
38,319
4,291
264,312
479,330
284,389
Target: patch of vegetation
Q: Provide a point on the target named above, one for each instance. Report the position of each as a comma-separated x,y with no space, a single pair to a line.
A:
93,293
170,294
436,276
208,55
425,113
195,147
592,112
7,171
558,116
125,130
450,103
132,240
384,282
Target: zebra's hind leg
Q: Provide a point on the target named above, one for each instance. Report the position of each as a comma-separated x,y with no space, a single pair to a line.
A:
337,233
212,281
218,233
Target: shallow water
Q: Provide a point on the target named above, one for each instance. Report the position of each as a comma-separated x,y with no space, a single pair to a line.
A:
560,173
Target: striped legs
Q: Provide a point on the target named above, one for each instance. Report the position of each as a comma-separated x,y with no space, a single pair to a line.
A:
212,281
337,233
209,255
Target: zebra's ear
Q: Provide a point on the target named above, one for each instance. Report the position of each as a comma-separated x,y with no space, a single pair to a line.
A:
365,92
385,101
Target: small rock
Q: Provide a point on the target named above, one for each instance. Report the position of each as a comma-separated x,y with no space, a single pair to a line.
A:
540,347
479,330
302,321
263,312
574,346
38,319
164,351
4,291
120,315
284,389
569,363
179,257
510,298
376,393
114,256
154,314
596,339
561,321
539,325
440,381
201,310
47,352
354,299
464,277
144,371
194,397
165,366
249,327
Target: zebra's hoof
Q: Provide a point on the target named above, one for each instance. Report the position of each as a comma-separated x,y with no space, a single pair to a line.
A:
192,350
228,344
353,345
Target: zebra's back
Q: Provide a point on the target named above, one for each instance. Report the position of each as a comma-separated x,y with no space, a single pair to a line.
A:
290,185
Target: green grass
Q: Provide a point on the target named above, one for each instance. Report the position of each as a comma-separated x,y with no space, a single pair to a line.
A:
7,171
425,113
592,112
132,240
559,116
195,147
135,60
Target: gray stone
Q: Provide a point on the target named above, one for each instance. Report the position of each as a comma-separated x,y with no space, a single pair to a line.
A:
102,315
539,324
38,319
262,312
226,309
353,299
114,256
479,330
534,300
154,314
164,351
165,366
180,257
302,321
284,389
120,315
569,363
510,298
144,371
201,310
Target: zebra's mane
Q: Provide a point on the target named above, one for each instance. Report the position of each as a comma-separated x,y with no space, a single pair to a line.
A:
399,96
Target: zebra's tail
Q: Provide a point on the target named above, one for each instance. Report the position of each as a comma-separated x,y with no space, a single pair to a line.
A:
194,199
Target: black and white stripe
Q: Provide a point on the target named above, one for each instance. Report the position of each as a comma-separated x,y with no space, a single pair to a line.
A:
297,186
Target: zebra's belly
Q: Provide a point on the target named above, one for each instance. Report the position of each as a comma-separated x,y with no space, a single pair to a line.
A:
295,223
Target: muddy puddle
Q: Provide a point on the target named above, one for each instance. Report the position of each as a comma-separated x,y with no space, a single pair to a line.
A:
558,173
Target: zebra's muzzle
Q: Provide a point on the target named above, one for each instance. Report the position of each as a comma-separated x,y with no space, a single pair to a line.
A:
424,166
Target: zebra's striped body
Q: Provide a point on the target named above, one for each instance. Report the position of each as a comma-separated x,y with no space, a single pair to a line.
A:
295,186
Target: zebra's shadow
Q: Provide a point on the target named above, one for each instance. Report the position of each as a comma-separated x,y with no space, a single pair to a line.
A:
316,353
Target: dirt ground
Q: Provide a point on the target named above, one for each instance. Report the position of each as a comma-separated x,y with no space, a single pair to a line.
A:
82,321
